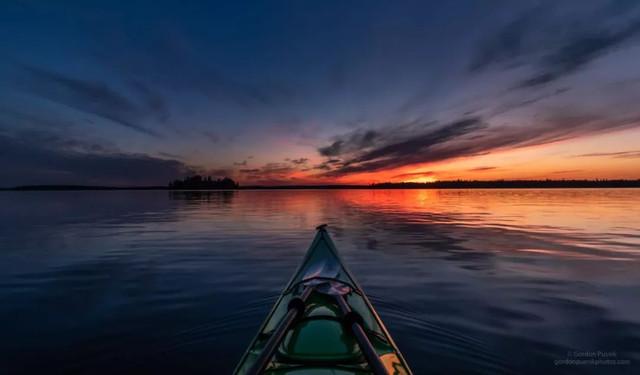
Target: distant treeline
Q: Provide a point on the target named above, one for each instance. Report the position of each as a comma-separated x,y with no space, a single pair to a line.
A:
509,184
199,182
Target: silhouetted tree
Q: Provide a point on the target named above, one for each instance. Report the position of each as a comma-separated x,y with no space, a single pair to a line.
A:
198,182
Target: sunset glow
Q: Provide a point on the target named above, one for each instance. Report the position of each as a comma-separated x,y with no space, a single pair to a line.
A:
383,94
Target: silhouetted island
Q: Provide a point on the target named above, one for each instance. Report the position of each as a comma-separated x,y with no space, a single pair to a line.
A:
199,182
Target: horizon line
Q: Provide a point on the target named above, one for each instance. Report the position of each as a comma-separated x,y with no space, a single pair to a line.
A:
459,183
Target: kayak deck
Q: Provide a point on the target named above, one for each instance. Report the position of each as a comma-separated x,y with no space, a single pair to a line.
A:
319,340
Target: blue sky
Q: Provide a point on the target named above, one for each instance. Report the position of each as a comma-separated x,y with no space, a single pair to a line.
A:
142,92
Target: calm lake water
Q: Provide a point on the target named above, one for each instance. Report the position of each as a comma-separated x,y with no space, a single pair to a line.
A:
466,281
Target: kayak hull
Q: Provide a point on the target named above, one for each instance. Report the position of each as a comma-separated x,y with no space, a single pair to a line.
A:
319,340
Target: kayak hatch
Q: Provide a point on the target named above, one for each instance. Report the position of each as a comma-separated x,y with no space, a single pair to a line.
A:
322,324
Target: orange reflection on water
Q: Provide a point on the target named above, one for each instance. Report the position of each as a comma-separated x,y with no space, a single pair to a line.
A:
577,223
594,210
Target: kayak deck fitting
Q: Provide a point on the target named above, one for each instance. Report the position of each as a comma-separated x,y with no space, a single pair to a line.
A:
322,324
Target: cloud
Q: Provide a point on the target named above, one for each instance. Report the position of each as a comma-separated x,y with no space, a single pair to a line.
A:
621,154
413,175
333,149
299,161
176,61
481,169
463,138
322,166
276,168
390,153
355,141
327,165
217,172
45,158
270,173
555,41
169,155
578,52
94,97
26,119
240,163
567,171
277,173
211,136
508,44
152,100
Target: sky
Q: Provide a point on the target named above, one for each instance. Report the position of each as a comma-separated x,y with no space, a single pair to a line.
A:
318,92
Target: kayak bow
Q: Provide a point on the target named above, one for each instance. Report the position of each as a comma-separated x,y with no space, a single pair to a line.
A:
322,324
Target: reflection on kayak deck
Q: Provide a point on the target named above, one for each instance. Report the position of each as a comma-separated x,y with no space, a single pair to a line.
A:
466,281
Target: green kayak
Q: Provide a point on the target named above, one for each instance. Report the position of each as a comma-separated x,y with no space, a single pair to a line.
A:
322,324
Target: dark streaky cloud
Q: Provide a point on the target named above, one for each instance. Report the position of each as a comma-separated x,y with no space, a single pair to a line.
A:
567,171
61,161
95,98
463,138
554,46
621,154
270,173
356,141
481,169
578,52
413,175
299,161
507,45
411,150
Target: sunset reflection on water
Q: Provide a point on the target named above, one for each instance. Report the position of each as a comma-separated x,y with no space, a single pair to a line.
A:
465,280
